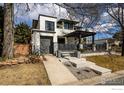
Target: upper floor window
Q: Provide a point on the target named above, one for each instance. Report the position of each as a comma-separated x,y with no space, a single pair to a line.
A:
68,26
49,26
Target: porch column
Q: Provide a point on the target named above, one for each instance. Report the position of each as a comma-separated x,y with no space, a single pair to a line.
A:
93,44
66,40
107,45
55,44
79,44
55,47
37,43
62,25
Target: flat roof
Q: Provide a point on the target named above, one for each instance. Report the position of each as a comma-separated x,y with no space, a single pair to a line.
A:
43,31
77,33
47,16
66,20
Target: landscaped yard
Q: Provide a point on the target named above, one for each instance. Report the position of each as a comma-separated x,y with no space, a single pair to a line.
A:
24,74
113,62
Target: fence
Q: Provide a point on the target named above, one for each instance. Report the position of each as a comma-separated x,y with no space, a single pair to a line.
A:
86,47
67,47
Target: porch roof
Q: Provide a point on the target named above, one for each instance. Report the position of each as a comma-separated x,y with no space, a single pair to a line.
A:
77,33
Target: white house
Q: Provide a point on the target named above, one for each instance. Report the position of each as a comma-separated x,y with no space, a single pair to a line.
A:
50,34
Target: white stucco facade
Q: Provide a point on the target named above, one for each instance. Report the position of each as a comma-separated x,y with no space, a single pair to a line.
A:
61,32
42,20
36,39
40,31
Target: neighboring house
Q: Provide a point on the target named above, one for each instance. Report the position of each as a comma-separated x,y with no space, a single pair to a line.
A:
102,44
50,35
106,44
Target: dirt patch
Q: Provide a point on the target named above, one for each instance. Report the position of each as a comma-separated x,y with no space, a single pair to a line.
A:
24,74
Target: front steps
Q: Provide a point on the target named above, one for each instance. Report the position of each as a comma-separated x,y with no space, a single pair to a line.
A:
65,55
79,63
100,70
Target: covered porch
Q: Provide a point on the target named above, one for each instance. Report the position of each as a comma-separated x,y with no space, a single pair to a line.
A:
73,42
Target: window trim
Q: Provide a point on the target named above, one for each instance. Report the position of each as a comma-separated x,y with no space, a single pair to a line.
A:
50,22
68,26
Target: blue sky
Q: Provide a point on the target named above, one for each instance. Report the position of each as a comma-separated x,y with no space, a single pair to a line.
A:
53,10
47,9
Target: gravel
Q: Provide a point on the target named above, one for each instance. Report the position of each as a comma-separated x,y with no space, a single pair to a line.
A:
80,73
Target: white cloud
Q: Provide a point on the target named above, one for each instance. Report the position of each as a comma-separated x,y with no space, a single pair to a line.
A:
105,14
54,10
36,9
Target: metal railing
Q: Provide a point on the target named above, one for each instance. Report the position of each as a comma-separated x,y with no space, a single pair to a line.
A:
67,47
86,48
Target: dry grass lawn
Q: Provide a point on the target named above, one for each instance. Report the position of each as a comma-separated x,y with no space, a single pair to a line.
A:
113,62
24,74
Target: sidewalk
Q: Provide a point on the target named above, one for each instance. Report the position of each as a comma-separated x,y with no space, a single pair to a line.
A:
57,72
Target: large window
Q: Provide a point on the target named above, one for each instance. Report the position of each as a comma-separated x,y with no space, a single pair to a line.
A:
68,26
49,26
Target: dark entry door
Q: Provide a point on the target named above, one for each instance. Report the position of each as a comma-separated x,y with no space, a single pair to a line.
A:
46,45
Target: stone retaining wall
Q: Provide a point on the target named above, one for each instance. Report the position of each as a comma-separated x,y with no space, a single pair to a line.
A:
21,60
21,50
14,61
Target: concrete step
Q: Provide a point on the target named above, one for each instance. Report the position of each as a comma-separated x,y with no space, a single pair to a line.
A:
81,64
78,63
63,60
64,52
75,58
100,70
91,63
65,55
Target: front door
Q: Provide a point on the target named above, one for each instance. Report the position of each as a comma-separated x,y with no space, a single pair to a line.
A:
46,45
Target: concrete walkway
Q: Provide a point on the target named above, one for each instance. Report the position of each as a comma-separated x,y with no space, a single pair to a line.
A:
57,72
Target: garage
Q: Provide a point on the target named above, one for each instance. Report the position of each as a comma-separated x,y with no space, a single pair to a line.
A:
46,44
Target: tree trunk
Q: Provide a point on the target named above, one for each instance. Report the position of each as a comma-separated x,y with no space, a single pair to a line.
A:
122,53
8,40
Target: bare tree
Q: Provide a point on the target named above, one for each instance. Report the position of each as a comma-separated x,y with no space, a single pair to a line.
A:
93,12
116,11
88,14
